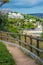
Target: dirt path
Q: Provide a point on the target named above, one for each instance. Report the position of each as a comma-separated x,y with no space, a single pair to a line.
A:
20,57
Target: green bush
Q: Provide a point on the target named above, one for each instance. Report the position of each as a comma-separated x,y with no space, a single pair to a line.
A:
5,56
42,35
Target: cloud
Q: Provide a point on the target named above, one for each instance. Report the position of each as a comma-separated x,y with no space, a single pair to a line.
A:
33,2
23,3
24,6
29,2
26,3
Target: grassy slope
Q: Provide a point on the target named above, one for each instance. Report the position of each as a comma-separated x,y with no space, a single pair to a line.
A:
5,56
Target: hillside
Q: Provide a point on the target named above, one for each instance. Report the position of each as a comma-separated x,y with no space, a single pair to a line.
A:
40,15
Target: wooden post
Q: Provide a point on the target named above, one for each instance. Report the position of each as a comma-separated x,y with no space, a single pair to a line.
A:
19,39
7,36
25,39
1,36
37,47
31,43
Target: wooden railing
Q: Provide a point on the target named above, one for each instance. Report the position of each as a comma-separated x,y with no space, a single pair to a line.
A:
26,41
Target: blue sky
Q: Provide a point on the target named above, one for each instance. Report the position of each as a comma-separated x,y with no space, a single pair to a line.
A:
24,6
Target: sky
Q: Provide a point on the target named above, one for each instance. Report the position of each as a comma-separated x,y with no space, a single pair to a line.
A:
24,6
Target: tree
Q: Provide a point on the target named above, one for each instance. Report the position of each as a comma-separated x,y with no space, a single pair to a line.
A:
42,27
3,2
3,18
3,21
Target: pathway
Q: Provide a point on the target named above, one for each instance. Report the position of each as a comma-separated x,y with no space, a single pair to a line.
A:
19,56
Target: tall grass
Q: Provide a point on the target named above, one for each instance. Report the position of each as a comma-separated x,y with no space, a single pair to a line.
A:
5,56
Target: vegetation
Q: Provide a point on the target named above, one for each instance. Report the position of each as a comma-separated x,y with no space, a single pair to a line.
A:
13,24
42,27
42,35
5,56
21,23
3,22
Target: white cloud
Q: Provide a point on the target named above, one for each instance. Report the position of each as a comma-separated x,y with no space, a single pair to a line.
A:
30,2
33,2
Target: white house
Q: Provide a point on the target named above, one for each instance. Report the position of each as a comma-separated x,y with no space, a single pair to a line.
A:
39,28
32,20
14,15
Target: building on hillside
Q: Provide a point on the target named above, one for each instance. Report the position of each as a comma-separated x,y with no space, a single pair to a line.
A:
5,11
30,20
39,28
15,15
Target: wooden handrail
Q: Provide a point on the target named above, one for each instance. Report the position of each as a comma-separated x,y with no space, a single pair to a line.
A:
41,51
35,38
25,44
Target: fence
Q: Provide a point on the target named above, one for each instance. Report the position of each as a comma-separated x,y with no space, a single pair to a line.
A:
26,42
